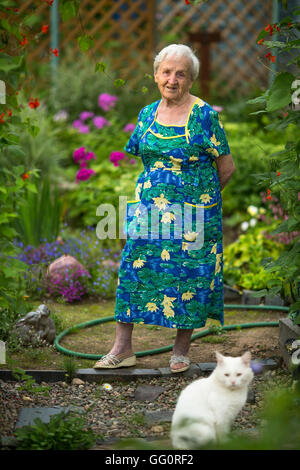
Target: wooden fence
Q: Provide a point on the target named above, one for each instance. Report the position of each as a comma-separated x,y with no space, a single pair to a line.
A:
130,33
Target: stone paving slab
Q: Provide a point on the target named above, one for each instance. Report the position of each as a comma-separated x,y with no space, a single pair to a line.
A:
130,373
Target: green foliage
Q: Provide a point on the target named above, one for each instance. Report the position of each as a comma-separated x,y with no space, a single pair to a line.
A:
40,214
28,382
278,100
65,431
243,258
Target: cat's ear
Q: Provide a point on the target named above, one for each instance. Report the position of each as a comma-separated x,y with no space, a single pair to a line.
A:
220,358
246,358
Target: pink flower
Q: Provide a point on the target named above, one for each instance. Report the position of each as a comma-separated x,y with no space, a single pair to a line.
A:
129,128
79,154
100,122
85,115
132,161
115,157
77,123
84,174
89,156
217,108
83,129
107,101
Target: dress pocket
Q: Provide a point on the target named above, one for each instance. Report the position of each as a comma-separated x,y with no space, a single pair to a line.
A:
201,223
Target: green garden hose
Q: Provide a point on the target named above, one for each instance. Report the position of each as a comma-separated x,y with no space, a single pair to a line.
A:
163,349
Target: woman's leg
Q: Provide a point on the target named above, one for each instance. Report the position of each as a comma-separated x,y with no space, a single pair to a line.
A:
182,345
123,340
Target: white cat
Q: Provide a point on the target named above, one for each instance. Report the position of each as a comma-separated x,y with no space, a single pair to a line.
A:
207,407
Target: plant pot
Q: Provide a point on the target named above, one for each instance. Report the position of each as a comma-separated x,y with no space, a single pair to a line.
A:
288,332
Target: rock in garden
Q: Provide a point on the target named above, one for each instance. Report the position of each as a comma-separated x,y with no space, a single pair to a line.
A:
63,265
148,392
36,326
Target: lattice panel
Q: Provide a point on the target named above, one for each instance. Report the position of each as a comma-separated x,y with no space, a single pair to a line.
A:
235,60
123,32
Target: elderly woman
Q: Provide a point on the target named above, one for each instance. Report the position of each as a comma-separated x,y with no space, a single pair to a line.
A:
171,281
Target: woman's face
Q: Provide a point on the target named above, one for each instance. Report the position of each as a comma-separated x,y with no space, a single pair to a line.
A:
173,78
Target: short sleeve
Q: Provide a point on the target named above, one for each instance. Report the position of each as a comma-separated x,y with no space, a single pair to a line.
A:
217,138
132,145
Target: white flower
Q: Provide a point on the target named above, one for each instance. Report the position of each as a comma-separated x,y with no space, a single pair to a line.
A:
252,210
60,116
107,387
252,222
244,226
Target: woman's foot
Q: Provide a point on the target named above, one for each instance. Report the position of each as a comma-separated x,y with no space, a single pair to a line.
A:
114,361
179,363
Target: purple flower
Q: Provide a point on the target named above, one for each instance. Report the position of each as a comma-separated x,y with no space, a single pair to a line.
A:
83,129
79,154
77,123
100,122
257,367
84,174
115,157
86,115
129,128
132,161
107,101
89,155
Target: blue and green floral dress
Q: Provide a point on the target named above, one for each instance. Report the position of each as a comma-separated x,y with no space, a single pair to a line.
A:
171,270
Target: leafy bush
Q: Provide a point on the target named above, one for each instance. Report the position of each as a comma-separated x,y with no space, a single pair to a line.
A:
63,432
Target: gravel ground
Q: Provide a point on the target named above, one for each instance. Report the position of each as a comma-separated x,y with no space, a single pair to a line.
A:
116,413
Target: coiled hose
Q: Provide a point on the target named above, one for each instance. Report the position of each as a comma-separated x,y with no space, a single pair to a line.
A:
163,349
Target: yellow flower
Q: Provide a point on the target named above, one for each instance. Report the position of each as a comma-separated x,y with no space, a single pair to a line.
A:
167,302
201,103
214,140
190,236
165,255
147,184
205,198
138,190
214,249
185,246
212,284
218,263
25,297
221,124
168,312
161,202
187,295
151,306
128,312
193,157
176,161
213,152
167,217
159,164
139,263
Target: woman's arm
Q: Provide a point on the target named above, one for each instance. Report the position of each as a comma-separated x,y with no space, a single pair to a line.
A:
225,169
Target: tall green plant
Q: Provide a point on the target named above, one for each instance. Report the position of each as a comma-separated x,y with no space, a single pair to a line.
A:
283,179
40,215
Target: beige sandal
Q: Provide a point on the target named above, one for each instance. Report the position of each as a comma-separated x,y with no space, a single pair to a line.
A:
176,360
112,361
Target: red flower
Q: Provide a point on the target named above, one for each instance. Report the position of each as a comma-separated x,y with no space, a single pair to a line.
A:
54,51
34,103
270,57
187,2
45,28
269,194
24,42
278,173
50,2
260,41
25,176
1,118
9,113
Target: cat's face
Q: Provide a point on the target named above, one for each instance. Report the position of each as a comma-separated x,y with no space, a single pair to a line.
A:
234,372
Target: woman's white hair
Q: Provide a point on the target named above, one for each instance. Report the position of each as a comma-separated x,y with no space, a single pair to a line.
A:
178,50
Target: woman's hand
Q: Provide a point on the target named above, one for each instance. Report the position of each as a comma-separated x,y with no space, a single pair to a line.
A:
225,169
